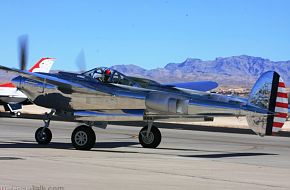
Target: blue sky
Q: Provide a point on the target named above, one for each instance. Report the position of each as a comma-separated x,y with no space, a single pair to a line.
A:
147,33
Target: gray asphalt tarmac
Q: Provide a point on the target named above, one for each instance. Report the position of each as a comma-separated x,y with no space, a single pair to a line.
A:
186,159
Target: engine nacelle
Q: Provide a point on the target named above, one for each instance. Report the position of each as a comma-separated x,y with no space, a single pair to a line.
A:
168,103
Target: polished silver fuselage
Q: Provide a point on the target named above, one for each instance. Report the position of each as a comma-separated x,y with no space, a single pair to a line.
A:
88,99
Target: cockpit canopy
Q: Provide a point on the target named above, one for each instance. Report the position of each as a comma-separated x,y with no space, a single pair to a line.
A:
108,75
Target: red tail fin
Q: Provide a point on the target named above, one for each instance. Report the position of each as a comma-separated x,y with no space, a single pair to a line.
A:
43,65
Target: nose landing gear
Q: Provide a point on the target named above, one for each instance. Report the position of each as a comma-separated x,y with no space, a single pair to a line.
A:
43,134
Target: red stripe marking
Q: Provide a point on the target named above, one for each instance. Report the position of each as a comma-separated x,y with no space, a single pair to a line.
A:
281,105
282,95
281,84
37,64
278,124
9,85
283,115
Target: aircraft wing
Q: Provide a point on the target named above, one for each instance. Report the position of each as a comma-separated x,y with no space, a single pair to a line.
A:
198,86
63,85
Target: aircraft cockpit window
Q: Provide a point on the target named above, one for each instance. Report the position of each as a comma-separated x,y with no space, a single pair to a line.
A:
100,74
97,74
106,75
125,81
118,78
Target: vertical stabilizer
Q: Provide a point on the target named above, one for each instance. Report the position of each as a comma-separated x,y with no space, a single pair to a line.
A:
268,93
43,65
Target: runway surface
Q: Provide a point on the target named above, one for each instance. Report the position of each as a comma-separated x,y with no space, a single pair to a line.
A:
186,159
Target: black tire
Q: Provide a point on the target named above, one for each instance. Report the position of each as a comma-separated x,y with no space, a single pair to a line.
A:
83,138
43,137
18,114
153,140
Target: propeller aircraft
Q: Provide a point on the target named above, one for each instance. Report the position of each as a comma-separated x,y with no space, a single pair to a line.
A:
102,94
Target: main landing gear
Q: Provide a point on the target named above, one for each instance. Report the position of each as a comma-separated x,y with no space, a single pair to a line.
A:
83,138
150,136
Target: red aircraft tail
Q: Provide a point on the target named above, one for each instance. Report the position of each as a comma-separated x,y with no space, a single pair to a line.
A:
43,65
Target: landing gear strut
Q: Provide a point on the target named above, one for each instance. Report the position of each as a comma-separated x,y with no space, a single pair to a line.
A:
43,134
150,136
83,138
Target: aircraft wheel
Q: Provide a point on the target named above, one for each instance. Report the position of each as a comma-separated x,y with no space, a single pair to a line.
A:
83,138
153,139
43,137
15,114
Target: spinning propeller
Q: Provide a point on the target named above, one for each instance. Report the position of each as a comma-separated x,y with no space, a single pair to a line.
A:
81,61
23,55
23,44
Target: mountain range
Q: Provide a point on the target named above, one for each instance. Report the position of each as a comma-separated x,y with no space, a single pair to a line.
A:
240,71
234,71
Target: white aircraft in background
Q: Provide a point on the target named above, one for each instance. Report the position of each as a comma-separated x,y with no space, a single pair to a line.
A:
11,98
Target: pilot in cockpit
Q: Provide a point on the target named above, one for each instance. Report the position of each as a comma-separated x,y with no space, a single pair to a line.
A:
102,75
107,75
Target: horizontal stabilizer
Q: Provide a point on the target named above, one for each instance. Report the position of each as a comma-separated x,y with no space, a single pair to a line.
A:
199,86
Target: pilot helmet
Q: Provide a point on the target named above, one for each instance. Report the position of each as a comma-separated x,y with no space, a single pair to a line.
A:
108,72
